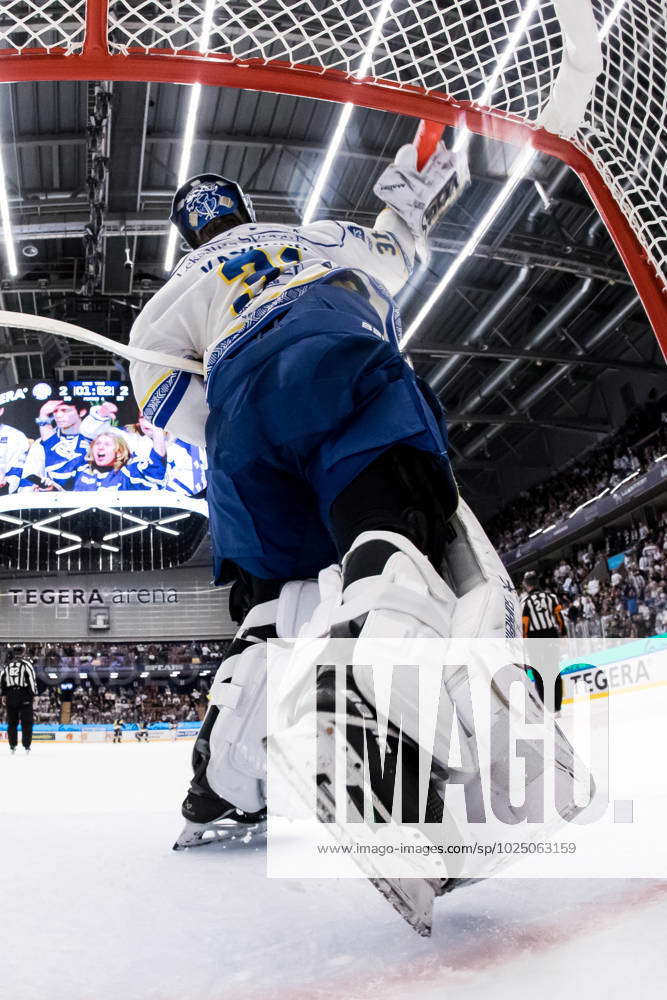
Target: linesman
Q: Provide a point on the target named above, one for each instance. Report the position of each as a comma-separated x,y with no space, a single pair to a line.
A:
19,686
542,618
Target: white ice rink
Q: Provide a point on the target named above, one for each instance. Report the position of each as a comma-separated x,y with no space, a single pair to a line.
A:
95,905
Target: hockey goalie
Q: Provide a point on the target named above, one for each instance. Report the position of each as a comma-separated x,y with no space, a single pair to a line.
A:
324,450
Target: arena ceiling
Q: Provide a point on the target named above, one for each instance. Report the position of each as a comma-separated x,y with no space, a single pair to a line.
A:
538,349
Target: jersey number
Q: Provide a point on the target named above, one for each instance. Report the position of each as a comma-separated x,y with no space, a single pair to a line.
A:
256,269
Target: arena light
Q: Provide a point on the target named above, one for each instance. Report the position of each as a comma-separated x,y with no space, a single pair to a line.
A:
125,531
538,531
611,18
8,235
661,458
68,548
57,517
11,520
125,515
56,531
109,548
14,531
345,114
173,517
485,97
49,531
167,531
189,131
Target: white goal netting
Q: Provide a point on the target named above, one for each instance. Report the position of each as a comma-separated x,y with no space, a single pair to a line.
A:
28,24
511,56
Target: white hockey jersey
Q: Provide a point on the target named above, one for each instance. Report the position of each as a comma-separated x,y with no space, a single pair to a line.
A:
186,463
14,447
223,293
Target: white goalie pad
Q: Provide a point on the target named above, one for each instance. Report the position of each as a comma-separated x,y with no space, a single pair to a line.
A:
237,766
409,599
487,605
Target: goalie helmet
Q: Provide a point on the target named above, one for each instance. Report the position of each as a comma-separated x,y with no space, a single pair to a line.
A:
204,198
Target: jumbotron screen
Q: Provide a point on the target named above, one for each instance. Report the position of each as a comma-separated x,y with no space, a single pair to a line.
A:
89,436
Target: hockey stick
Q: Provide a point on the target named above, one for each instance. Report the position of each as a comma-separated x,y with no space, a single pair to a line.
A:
427,138
25,321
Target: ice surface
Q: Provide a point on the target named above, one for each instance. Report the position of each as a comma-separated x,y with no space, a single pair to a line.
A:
95,905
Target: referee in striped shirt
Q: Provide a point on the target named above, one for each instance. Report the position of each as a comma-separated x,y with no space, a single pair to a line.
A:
18,684
542,619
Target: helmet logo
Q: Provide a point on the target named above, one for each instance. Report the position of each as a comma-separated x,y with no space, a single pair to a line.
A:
206,197
204,202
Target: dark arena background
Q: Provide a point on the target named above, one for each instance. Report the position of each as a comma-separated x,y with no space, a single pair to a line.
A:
537,321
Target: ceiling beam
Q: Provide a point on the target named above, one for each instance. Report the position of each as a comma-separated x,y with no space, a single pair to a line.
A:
581,262
258,142
50,139
525,419
617,364
521,250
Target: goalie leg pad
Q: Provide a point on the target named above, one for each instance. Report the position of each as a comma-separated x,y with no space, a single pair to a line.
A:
391,590
231,742
237,768
388,589
487,607
487,604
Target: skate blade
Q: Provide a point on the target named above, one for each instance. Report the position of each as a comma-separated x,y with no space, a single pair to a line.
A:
412,898
224,832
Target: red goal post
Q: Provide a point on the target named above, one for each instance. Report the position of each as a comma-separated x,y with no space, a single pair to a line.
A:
430,59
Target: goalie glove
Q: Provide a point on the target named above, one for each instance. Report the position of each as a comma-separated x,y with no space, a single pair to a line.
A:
420,198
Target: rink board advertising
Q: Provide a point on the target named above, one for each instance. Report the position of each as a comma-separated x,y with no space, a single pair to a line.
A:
87,436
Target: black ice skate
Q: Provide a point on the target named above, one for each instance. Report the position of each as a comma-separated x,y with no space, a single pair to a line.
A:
210,819
234,825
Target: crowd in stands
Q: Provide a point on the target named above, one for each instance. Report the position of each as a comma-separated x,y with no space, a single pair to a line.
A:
641,442
144,704
134,699
119,656
618,589
46,706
